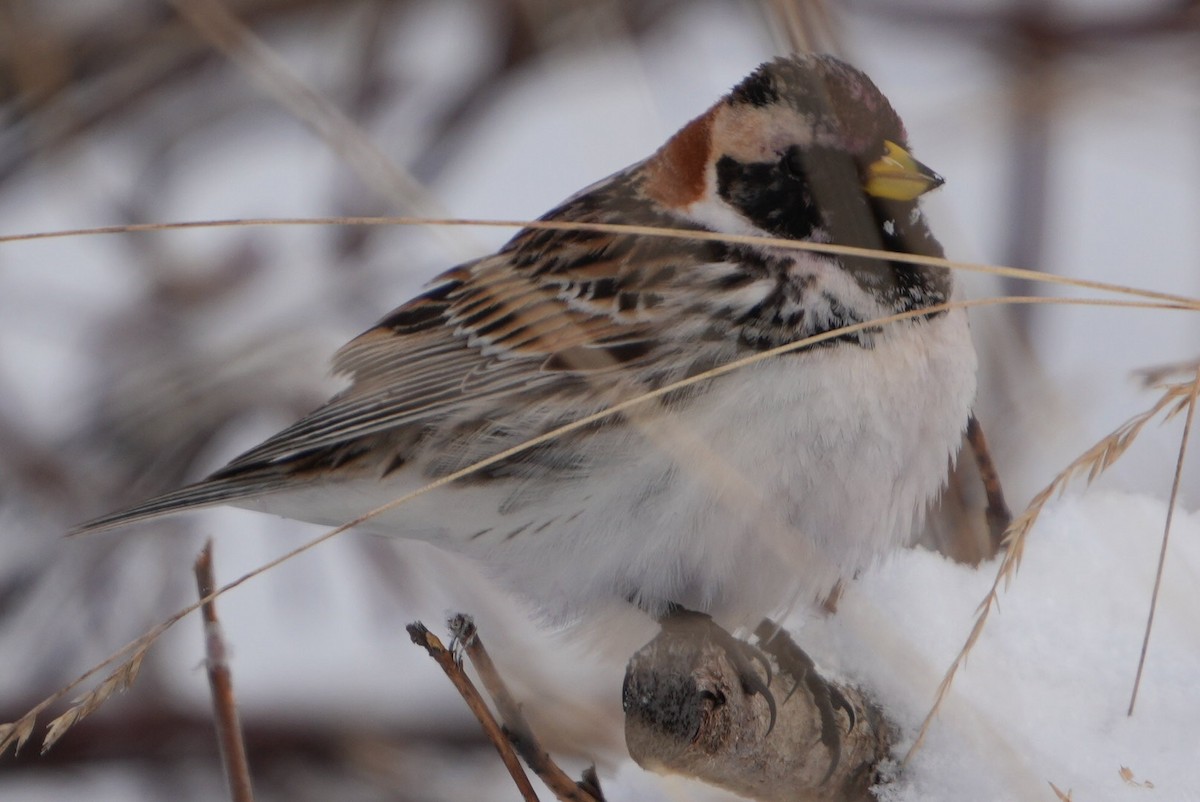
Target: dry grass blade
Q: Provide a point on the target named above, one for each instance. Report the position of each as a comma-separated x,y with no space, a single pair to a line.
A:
118,680
1127,775
787,13
1152,377
1181,301
1162,552
16,733
805,26
1063,797
59,726
1094,461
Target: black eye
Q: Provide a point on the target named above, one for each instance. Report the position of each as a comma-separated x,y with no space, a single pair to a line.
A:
793,162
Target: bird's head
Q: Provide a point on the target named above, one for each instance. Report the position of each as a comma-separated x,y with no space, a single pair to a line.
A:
806,147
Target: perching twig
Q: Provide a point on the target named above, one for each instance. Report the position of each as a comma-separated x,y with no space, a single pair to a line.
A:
462,627
220,681
421,636
688,711
1162,552
999,516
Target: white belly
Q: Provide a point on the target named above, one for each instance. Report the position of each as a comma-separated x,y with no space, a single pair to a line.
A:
790,475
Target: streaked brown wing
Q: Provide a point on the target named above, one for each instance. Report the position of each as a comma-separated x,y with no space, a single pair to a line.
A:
572,316
483,332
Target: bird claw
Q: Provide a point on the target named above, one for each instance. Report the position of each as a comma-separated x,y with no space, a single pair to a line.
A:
796,663
741,654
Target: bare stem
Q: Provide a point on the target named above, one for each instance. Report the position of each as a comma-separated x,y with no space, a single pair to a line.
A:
518,729
690,711
999,516
421,636
220,682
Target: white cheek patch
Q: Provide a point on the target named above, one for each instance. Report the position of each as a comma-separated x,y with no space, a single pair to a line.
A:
712,212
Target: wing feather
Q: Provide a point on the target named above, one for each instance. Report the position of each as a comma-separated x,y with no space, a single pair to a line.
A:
532,320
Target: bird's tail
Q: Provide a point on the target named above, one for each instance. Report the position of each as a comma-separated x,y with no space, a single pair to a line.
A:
211,492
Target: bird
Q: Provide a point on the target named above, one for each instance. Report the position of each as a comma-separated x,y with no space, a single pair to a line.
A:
733,491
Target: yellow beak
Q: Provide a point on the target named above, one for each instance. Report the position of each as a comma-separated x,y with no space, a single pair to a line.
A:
898,176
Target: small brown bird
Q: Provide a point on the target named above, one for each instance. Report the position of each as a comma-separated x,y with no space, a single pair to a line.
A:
734,496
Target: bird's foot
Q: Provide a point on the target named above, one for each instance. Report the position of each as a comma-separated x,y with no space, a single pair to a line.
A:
700,627
795,662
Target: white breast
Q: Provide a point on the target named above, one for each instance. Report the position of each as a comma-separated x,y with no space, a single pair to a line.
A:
792,474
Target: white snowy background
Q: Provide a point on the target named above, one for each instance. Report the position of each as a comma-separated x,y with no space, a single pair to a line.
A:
1043,697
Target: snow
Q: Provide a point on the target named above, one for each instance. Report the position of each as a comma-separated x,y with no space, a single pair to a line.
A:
1044,694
